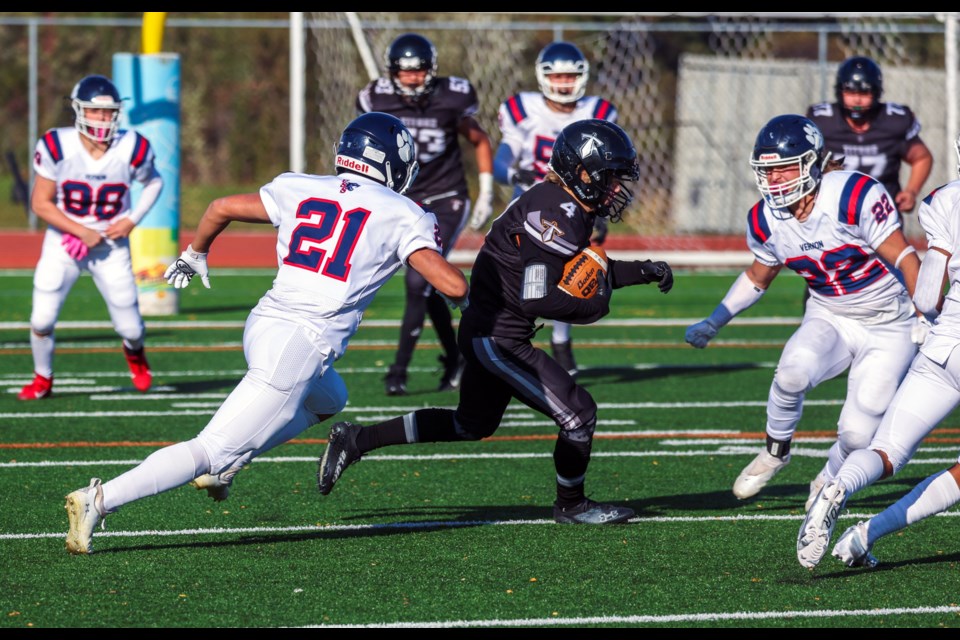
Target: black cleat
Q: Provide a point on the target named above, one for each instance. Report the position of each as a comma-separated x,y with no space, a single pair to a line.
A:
590,512
396,381
563,354
452,372
340,453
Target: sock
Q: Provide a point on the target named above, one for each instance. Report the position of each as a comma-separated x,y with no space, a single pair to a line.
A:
862,468
161,471
937,493
561,332
571,456
42,349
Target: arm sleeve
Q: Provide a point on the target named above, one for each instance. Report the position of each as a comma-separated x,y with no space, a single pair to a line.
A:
148,197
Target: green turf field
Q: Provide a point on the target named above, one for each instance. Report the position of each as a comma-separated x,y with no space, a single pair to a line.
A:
456,534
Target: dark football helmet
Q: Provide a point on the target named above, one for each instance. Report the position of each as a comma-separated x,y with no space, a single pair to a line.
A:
787,140
95,92
606,153
378,146
859,73
412,52
562,57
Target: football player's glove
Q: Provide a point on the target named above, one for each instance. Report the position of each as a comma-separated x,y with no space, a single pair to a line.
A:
701,333
190,263
523,178
483,208
918,332
74,246
659,272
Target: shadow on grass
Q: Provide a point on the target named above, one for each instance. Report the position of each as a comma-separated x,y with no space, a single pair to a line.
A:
588,375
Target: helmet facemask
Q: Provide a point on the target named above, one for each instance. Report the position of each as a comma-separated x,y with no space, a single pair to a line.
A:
97,130
784,194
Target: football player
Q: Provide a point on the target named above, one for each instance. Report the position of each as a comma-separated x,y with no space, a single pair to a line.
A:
839,230
927,394
871,136
529,124
514,282
339,239
82,191
436,110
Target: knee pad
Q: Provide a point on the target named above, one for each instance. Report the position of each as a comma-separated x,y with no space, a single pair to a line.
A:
579,435
791,381
470,430
874,399
131,329
853,439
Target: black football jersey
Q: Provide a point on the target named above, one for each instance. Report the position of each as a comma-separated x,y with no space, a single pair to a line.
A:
877,152
553,227
433,122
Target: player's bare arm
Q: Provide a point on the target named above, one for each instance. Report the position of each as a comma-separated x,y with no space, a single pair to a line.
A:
244,207
900,253
920,159
761,275
43,200
443,276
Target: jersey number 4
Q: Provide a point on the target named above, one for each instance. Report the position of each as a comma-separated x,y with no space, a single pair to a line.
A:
320,220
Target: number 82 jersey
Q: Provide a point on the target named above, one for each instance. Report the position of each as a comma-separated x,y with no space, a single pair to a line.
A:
835,247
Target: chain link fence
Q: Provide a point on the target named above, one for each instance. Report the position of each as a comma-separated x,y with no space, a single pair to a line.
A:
691,90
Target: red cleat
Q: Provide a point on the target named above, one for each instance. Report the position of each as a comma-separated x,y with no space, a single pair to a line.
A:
139,369
39,388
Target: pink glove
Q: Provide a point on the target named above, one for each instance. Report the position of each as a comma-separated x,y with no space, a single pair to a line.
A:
74,246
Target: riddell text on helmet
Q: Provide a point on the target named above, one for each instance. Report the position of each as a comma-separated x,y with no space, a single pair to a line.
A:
354,165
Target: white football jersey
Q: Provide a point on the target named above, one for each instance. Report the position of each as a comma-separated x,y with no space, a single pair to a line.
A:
835,248
92,191
939,215
339,239
530,127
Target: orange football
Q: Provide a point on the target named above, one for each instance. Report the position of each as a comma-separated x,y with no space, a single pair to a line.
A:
585,273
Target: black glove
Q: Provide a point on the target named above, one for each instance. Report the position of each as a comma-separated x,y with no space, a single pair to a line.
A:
524,178
599,231
659,272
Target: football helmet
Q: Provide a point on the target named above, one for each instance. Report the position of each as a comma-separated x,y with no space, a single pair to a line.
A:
378,146
95,92
607,154
787,140
562,57
412,52
859,73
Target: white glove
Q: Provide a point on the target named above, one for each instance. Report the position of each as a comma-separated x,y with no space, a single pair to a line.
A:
919,330
483,208
189,264
701,333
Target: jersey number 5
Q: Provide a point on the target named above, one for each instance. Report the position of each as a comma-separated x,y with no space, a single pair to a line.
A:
321,218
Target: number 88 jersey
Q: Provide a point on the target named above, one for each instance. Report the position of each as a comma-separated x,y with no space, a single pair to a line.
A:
835,247
93,191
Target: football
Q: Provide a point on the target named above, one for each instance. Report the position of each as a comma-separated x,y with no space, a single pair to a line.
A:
585,274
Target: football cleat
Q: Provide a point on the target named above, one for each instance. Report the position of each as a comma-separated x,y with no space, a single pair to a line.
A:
396,381
563,354
39,388
139,369
340,453
84,510
817,527
452,372
853,550
815,485
217,485
758,473
590,512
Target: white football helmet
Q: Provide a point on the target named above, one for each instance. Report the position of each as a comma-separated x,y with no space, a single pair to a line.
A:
562,57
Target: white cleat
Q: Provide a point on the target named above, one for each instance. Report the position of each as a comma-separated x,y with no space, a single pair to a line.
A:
814,536
815,485
758,473
84,510
852,548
